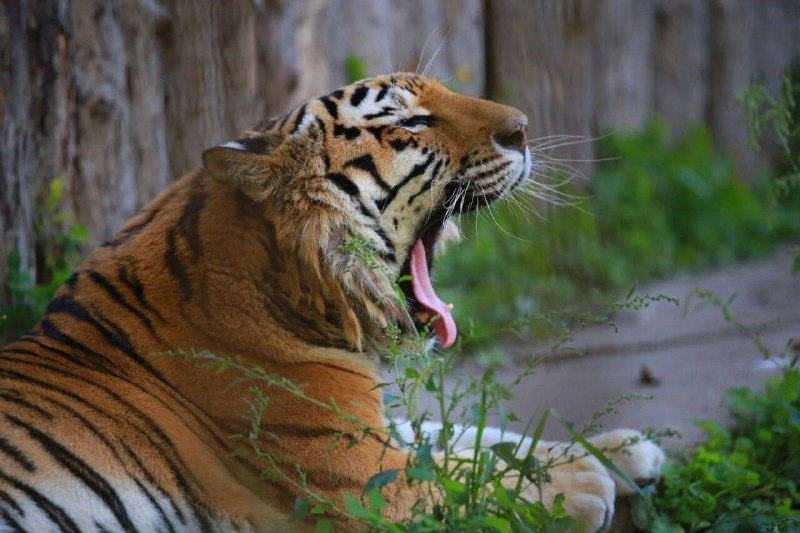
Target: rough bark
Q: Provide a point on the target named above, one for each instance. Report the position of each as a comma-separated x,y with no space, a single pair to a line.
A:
681,63
115,98
37,126
540,57
622,63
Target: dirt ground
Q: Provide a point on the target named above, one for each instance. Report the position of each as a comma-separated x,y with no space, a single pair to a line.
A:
684,359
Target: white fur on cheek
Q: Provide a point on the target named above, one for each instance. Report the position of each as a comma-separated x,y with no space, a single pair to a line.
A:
235,145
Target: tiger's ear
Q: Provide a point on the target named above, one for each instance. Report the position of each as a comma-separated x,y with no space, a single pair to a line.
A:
237,162
259,163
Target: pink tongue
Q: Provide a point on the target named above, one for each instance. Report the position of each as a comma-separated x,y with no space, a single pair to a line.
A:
444,326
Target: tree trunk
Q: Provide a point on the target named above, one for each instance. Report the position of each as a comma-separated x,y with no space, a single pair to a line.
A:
682,63
115,98
539,55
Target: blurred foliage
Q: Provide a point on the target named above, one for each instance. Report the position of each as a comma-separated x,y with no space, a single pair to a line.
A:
354,68
743,479
29,296
655,207
775,121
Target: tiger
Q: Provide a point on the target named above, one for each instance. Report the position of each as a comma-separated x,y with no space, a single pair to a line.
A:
245,257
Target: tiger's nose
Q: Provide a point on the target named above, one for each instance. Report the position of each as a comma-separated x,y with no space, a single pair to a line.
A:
514,136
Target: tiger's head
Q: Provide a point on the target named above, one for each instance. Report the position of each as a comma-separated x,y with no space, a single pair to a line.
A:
388,161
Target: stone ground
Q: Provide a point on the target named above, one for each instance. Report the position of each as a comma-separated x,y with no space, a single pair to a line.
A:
684,359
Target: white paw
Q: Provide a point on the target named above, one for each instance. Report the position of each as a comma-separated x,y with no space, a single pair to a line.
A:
641,461
586,484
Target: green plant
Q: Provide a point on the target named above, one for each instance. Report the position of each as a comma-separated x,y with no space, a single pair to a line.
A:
354,68
29,296
743,479
780,116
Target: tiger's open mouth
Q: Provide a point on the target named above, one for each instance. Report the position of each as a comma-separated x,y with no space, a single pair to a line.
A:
423,303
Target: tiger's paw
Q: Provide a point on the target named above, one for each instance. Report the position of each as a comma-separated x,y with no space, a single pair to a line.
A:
639,458
586,484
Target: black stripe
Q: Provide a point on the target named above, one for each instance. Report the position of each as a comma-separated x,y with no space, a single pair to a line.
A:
11,502
82,471
14,452
111,332
418,170
117,297
10,398
175,265
8,520
101,528
301,113
156,506
384,112
387,241
342,181
56,514
358,95
347,133
400,144
51,331
417,120
337,94
137,288
321,125
330,105
163,444
51,350
152,481
88,425
488,172
72,280
376,131
382,93
20,351
367,164
189,222
365,212
428,183
336,368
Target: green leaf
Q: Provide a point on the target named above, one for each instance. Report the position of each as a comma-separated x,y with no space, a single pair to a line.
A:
430,384
381,479
324,526
420,474
558,505
505,451
355,506
497,523
451,485
411,372
301,509
376,501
